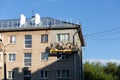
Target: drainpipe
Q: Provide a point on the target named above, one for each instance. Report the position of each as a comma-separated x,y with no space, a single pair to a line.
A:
75,60
75,34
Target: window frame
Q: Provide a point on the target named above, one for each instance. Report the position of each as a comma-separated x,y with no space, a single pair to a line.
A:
27,74
11,75
61,76
29,60
44,74
27,45
44,38
44,56
59,37
13,57
12,39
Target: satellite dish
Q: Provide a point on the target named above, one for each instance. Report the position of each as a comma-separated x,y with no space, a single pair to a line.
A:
22,20
37,19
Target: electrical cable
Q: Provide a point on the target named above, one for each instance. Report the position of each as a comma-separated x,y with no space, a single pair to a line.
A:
102,32
104,35
105,39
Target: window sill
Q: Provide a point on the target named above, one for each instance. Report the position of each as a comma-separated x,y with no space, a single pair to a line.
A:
26,66
27,48
44,42
11,61
12,43
44,60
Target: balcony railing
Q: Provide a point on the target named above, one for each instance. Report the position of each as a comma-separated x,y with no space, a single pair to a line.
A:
62,48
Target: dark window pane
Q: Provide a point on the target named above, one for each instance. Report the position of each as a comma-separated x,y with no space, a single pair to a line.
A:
26,72
46,74
58,73
42,74
28,41
44,38
27,54
27,59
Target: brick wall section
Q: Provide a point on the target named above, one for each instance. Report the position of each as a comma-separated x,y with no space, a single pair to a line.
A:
37,47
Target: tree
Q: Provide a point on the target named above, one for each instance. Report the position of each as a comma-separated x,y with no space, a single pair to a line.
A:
95,71
111,69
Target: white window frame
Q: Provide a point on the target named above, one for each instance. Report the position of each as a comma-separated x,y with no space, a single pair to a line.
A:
61,74
13,57
45,74
11,75
28,58
25,40
44,56
63,37
12,39
44,38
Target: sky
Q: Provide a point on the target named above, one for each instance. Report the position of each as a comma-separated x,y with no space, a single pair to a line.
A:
100,21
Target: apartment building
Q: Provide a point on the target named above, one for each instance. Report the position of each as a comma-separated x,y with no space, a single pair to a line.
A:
40,48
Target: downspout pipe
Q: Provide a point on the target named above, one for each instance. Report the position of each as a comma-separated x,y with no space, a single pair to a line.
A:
75,34
75,64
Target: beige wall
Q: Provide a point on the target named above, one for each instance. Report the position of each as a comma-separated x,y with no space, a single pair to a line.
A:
37,47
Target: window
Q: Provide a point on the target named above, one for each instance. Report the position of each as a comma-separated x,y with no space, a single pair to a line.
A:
63,57
27,75
12,39
44,56
63,74
27,59
63,37
44,74
44,38
12,57
11,75
28,41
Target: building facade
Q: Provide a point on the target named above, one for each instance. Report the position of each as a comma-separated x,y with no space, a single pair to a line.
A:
40,49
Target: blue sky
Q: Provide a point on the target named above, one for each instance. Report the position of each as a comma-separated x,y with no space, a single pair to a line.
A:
95,16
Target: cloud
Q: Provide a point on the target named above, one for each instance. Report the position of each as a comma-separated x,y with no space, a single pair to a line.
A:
103,61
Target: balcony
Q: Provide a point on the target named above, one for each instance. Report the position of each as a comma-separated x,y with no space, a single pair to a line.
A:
62,48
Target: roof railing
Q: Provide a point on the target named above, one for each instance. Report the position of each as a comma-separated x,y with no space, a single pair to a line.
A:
45,22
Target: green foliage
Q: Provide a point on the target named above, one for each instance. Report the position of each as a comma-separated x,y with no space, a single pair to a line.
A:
97,71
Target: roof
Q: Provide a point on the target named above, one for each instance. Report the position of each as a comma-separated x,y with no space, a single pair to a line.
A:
30,23
46,23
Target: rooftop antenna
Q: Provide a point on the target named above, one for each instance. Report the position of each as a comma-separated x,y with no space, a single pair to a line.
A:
32,13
